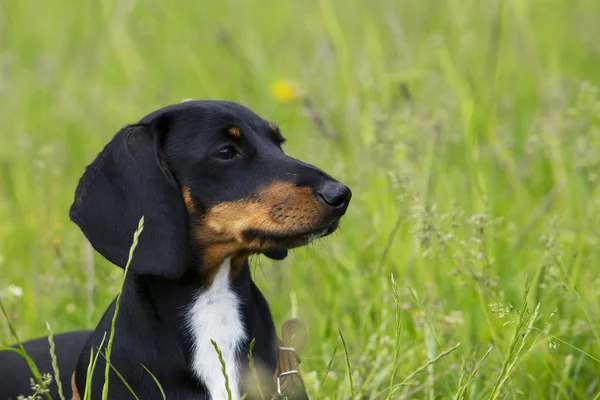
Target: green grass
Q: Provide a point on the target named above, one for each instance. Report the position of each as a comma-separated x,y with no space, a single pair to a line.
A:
469,132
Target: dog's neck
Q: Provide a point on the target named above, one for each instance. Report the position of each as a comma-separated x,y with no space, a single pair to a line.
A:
188,312
216,324
169,301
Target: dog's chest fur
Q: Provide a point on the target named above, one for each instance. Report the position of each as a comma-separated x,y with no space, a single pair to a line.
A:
215,314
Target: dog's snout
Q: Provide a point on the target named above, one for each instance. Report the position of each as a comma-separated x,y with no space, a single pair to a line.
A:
334,194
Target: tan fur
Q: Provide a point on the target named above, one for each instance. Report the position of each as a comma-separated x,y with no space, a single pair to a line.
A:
76,395
235,132
280,208
187,199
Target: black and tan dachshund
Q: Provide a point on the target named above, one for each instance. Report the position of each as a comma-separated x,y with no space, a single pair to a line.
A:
214,187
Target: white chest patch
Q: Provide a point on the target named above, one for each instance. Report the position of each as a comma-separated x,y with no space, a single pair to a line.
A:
215,314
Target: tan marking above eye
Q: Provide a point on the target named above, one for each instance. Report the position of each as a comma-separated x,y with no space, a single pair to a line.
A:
273,127
235,131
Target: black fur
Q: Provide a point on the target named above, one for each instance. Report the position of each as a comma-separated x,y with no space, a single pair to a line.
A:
15,374
142,171
125,182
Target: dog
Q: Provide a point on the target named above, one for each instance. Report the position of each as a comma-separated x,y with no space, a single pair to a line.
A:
15,374
214,187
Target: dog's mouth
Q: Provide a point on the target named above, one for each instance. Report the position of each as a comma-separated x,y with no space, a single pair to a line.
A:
272,240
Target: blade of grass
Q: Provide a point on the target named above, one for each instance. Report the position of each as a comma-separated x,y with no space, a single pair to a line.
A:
421,369
567,344
108,350
88,377
54,362
253,369
23,353
398,332
120,376
91,367
4,348
223,368
426,317
524,338
462,389
329,364
164,396
349,366
461,377
424,367
513,346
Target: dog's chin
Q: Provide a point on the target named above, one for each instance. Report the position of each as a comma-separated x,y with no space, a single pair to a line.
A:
289,240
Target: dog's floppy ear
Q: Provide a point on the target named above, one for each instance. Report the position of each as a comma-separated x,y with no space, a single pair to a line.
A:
128,179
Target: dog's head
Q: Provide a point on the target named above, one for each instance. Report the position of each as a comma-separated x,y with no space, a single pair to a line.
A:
212,182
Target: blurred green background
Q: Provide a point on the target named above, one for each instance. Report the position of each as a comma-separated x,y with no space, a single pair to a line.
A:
468,130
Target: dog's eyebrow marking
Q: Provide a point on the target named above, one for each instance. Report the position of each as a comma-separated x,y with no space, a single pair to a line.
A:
187,198
215,314
235,132
276,133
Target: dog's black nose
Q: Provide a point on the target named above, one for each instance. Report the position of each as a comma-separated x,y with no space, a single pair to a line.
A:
334,194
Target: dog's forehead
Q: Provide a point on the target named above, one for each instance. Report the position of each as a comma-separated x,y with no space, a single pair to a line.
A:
208,111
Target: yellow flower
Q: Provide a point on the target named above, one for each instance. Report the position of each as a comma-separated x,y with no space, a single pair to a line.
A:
285,91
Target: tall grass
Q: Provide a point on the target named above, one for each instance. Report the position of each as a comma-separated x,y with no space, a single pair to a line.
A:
223,368
468,132
55,369
38,383
111,336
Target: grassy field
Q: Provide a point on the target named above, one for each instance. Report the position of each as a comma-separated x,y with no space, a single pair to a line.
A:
469,132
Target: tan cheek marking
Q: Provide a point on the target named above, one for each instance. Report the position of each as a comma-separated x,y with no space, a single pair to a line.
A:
278,208
237,262
187,199
273,127
218,233
234,131
218,242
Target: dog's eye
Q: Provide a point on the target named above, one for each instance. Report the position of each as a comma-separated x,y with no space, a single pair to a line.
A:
226,152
